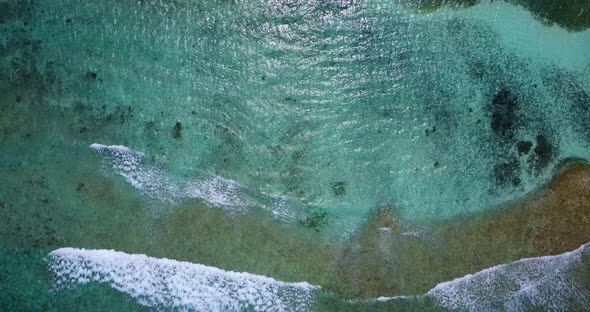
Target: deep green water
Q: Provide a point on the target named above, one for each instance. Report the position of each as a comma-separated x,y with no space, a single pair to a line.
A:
304,116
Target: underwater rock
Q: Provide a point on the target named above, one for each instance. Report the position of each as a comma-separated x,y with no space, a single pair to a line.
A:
573,15
507,171
91,75
516,181
428,132
543,152
316,219
290,100
524,147
339,188
177,130
504,113
430,5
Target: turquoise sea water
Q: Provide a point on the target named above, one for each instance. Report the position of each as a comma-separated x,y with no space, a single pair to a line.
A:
305,116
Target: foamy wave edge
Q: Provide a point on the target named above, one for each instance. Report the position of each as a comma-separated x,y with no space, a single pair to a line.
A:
548,282
157,184
166,283
215,191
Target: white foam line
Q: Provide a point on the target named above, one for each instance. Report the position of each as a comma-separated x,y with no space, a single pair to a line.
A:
386,299
155,183
101,147
166,283
401,297
547,282
215,191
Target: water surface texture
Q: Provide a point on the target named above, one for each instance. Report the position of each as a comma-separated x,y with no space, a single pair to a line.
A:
310,145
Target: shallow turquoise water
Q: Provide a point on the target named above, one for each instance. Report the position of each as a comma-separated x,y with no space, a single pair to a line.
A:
292,99
292,108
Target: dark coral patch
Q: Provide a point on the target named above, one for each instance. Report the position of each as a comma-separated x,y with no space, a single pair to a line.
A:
544,152
177,130
573,15
91,75
428,132
504,113
339,188
506,172
430,5
316,219
524,147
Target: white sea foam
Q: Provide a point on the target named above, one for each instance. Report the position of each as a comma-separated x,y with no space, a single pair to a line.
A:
164,283
386,299
101,147
154,182
551,283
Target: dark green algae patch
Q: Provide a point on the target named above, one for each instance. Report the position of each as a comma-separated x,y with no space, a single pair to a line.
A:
573,15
